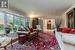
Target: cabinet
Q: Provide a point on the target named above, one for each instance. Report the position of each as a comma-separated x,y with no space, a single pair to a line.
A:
71,19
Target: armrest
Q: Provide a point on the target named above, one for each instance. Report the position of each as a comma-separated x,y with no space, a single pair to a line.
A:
32,35
59,39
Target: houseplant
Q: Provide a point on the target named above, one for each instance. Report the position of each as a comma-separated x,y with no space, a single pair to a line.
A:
58,23
7,29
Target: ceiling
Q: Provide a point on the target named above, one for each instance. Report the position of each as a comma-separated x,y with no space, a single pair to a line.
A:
42,7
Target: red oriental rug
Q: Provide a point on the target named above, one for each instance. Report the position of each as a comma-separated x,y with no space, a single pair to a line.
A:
45,41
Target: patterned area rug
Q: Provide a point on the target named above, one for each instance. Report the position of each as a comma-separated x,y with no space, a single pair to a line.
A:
45,41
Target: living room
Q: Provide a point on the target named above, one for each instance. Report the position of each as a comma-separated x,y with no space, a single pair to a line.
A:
37,25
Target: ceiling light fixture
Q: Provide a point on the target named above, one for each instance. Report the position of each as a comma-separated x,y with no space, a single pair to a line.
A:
33,16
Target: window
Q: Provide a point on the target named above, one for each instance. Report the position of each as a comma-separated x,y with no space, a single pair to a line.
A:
10,21
1,22
26,24
17,22
22,20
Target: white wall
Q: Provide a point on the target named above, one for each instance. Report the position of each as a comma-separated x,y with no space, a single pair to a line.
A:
64,20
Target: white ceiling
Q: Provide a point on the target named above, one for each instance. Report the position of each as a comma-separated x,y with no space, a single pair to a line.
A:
42,7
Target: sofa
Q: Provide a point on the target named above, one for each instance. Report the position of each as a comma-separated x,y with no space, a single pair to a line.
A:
68,35
26,36
68,38
59,39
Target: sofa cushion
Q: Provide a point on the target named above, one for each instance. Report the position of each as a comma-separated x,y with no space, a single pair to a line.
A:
72,31
31,29
66,30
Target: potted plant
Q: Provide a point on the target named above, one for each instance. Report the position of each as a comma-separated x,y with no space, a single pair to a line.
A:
7,29
58,23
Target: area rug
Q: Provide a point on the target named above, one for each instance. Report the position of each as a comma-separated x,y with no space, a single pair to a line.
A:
44,41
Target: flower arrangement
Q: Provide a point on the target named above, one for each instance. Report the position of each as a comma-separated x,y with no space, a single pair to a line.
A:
58,23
